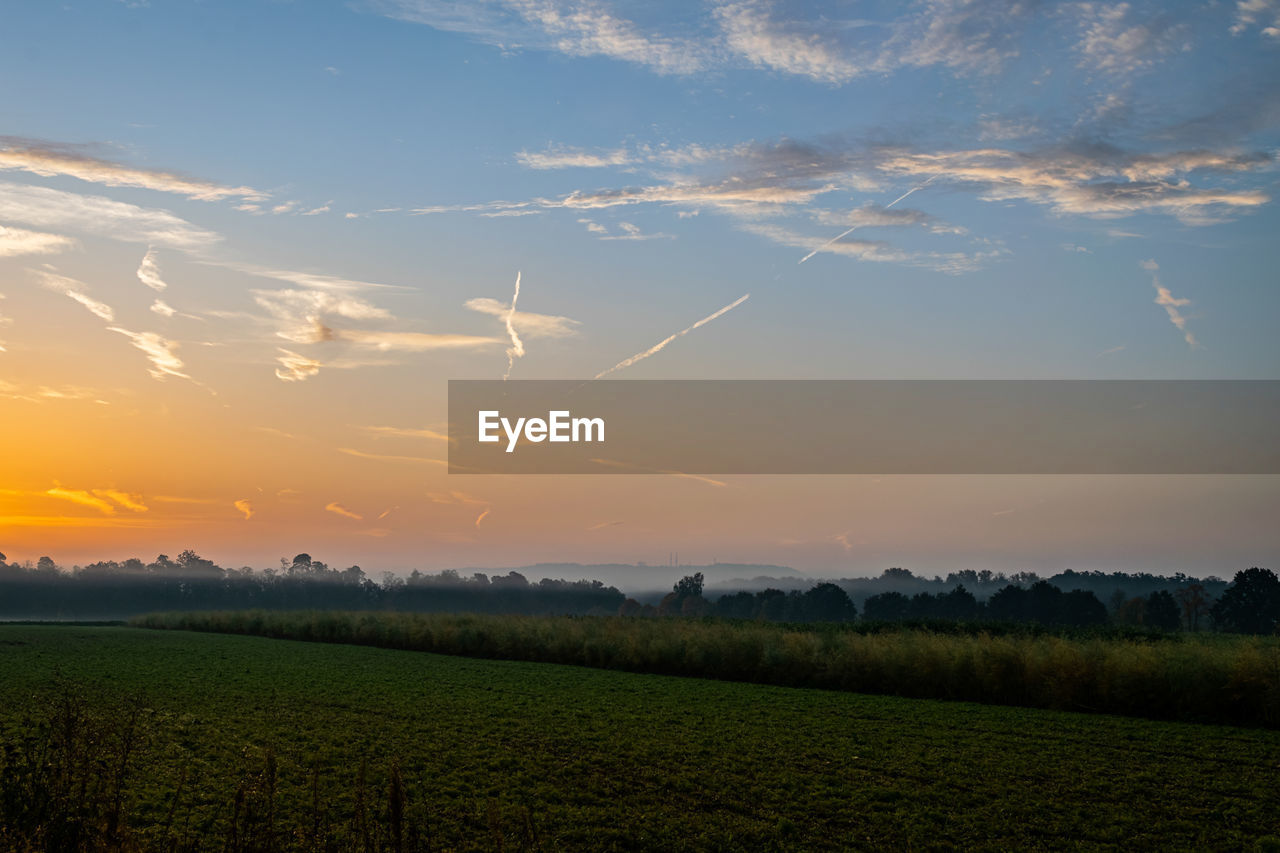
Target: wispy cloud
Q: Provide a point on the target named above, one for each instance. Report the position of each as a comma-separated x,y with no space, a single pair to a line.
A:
301,314
1170,303
406,341
760,184
43,207
613,463
1102,182
295,367
571,27
965,35
527,324
149,272
1251,12
403,432
338,509
79,496
161,352
385,457
244,507
1116,40
631,231
793,47
44,393
73,289
129,501
866,218
564,157
641,356
482,516
16,241
49,159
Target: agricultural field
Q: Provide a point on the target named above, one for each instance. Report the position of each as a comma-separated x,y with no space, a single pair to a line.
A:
1191,677
144,739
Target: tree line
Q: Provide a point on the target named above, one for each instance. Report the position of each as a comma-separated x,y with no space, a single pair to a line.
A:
115,590
1250,603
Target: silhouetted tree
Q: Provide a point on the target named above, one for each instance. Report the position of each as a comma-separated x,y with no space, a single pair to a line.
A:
959,604
688,586
1194,601
771,605
1162,611
827,602
737,605
886,607
1251,605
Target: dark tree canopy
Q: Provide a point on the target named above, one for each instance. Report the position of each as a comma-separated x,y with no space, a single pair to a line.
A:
689,586
1162,611
1251,605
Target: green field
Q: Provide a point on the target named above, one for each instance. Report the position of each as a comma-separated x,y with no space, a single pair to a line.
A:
273,737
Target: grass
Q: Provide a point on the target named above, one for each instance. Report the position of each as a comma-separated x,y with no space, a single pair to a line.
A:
1202,677
309,747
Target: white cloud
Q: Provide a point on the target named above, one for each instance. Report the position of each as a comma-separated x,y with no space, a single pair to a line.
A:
630,231
75,290
49,159
965,35
294,367
408,341
1103,185
571,27
149,272
1250,12
572,158
791,47
1170,303
49,208
16,241
158,350
1115,42
300,314
526,323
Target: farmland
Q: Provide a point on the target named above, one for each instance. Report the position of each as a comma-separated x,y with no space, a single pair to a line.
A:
252,743
1191,677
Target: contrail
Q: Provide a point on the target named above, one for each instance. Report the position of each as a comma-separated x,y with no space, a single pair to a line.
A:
656,347
516,350
851,230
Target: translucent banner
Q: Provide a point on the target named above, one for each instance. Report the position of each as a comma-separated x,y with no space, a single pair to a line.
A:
864,427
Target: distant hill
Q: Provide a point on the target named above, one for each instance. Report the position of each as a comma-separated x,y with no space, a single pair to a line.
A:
640,577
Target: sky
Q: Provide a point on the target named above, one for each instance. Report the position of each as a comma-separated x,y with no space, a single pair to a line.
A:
244,245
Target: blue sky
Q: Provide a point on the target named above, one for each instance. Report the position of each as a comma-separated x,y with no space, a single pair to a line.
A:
325,190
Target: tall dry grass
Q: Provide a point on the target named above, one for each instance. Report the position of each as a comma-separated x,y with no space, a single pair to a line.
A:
1211,678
